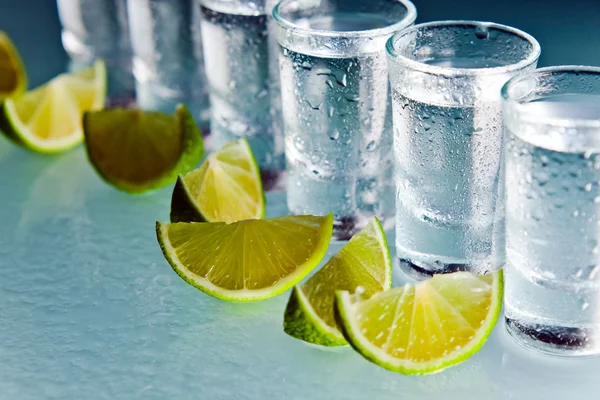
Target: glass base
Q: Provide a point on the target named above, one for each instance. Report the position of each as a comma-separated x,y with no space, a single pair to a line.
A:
346,227
273,180
552,340
422,270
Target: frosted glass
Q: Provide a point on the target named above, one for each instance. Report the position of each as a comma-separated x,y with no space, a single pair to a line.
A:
89,309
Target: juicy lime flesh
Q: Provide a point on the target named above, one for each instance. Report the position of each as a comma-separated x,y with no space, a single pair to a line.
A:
362,262
428,321
52,117
54,110
133,145
247,255
227,186
11,74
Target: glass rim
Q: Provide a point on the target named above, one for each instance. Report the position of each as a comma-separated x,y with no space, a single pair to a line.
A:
533,117
531,58
409,18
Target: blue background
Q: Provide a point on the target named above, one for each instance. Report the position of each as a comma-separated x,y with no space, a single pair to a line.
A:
568,31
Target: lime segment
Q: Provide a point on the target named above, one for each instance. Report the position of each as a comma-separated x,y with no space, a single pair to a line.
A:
137,150
48,119
426,327
364,262
247,260
226,188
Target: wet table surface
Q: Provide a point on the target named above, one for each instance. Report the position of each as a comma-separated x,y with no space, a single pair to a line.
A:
91,310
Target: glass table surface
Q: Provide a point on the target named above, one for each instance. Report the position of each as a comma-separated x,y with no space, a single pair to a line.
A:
90,309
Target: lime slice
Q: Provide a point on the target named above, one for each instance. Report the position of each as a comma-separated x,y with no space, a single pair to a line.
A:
226,188
48,119
136,150
426,327
364,262
247,260
13,78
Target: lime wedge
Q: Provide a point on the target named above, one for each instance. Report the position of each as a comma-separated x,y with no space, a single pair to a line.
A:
364,262
247,260
423,328
48,119
137,150
226,188
13,78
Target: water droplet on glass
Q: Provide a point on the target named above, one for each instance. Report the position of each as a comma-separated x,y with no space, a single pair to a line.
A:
588,187
593,272
585,305
353,99
314,105
262,94
528,178
334,135
306,65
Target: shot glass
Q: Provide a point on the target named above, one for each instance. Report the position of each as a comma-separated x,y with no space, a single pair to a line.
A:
552,274
446,79
243,80
337,107
168,61
93,29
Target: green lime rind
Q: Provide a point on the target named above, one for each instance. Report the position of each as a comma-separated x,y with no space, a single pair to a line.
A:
247,295
354,337
184,208
302,322
192,152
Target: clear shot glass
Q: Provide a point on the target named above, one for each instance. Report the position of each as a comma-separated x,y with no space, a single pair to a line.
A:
552,274
447,111
168,61
243,80
93,29
337,107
